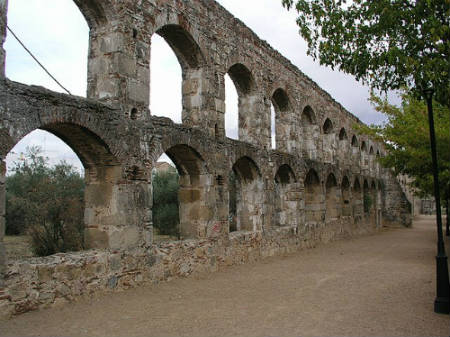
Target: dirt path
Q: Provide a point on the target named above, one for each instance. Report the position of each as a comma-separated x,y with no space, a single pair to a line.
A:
375,285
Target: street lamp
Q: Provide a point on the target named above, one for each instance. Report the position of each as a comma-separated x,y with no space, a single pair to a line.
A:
442,301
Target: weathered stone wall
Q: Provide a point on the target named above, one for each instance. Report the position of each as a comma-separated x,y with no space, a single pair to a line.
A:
43,282
309,190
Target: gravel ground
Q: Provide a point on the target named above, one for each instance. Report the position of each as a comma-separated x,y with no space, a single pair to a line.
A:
377,285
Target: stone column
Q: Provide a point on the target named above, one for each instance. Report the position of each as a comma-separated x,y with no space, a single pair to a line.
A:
118,67
3,20
117,210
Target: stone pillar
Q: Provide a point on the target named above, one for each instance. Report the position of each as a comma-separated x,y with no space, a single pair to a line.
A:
117,210
118,68
2,220
3,20
199,109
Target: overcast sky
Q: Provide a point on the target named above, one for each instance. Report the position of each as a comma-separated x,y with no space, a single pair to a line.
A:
57,33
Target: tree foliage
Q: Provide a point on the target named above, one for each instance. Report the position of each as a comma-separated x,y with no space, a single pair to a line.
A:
45,202
388,44
165,203
407,140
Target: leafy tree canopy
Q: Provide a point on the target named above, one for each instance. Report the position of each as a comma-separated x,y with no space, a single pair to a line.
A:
407,141
388,44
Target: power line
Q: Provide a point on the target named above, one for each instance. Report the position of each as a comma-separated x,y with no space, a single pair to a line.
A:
40,64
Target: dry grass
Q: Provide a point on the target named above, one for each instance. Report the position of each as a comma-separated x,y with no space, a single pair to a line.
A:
17,247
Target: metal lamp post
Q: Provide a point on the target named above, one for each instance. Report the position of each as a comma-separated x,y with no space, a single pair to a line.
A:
442,301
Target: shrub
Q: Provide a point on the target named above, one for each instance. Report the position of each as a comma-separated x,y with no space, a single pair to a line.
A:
45,202
165,203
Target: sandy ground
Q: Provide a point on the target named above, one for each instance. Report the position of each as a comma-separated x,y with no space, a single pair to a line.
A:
379,285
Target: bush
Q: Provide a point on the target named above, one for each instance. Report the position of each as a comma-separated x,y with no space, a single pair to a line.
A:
47,203
165,203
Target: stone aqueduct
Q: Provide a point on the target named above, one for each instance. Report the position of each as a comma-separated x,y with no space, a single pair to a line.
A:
310,189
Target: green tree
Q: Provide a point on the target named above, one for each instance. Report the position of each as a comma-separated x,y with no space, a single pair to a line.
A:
45,202
165,202
388,44
407,141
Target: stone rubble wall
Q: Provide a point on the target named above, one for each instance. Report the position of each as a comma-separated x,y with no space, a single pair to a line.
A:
37,283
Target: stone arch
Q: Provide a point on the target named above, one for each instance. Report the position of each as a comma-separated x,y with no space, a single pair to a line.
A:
313,198
248,115
343,147
327,126
364,156
308,116
355,154
184,46
193,66
371,159
282,107
96,12
310,132
194,185
346,197
332,198
328,141
103,173
249,195
377,163
285,198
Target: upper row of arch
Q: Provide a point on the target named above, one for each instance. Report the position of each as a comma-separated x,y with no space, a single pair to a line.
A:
191,56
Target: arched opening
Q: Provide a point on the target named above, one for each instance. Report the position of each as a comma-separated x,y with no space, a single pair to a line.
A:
273,125
328,141
166,205
355,153
310,132
357,201
343,147
166,76
44,206
377,163
165,79
313,198
332,198
244,84
346,198
371,159
364,156
248,196
231,109
60,203
286,200
193,202
63,51
327,127
281,128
